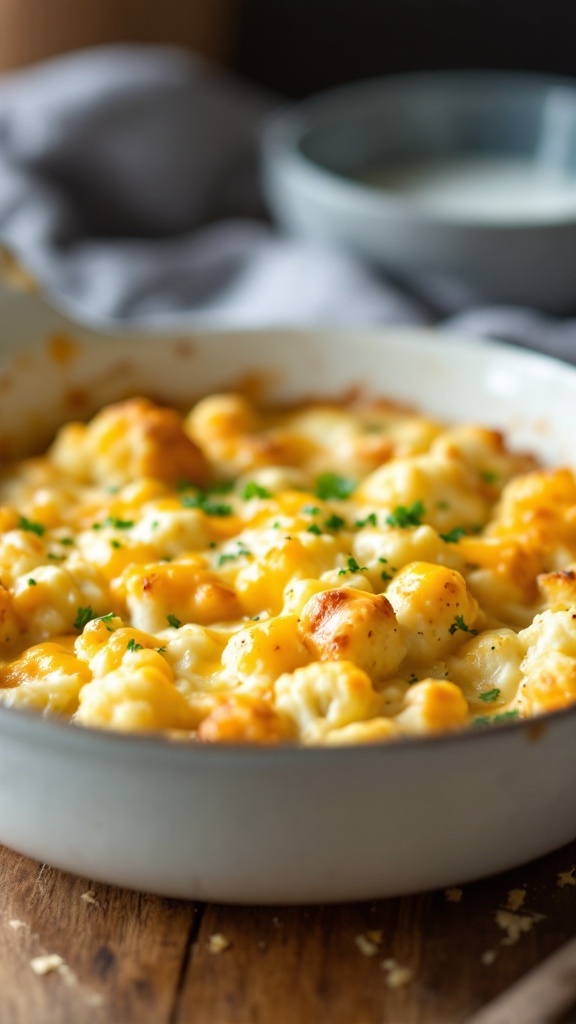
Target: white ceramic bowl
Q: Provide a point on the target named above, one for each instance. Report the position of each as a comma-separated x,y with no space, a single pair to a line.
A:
284,825
315,152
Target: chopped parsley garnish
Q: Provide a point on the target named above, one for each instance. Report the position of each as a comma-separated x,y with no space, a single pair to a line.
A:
67,541
369,520
385,575
352,567
161,650
490,695
460,624
231,556
84,616
489,476
132,645
314,528
453,536
406,515
32,583
56,558
330,485
31,526
254,490
334,522
115,544
173,621
118,524
107,618
311,510
504,716
203,501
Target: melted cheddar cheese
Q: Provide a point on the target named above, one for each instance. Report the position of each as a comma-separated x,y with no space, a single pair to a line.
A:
322,575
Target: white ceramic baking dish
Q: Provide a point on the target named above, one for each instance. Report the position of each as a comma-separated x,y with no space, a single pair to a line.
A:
284,825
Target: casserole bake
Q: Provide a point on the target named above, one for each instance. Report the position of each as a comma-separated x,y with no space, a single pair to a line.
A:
332,573
285,823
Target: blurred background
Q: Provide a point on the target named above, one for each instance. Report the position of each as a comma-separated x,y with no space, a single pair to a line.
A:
295,47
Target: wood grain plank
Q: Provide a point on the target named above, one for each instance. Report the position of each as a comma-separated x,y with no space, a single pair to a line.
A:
123,951
297,965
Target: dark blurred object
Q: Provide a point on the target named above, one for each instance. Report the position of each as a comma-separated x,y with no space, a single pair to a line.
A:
300,46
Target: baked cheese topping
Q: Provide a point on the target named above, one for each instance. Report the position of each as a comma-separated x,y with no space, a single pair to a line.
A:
329,574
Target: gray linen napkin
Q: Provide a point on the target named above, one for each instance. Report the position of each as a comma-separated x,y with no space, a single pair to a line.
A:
129,189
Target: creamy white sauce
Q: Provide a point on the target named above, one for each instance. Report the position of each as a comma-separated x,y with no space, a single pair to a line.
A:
480,188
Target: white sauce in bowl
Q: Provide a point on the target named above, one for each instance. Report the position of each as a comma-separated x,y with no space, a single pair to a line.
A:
480,188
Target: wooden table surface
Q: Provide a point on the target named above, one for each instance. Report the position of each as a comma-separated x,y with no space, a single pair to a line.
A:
129,958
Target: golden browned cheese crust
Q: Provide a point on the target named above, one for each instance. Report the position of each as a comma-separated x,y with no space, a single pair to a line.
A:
329,574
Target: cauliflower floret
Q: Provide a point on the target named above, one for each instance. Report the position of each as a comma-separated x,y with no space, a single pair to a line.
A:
53,599
21,551
550,664
484,452
432,705
280,558
487,667
258,654
384,552
434,609
348,624
246,719
47,677
138,696
129,440
234,437
324,696
450,496
160,595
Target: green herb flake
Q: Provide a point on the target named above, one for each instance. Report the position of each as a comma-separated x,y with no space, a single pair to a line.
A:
118,524
460,624
330,485
406,515
314,528
311,510
369,520
202,501
490,695
504,716
133,646
115,544
334,522
56,558
352,567
107,618
32,583
453,536
83,617
173,621
161,650
66,541
31,526
254,490
489,476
